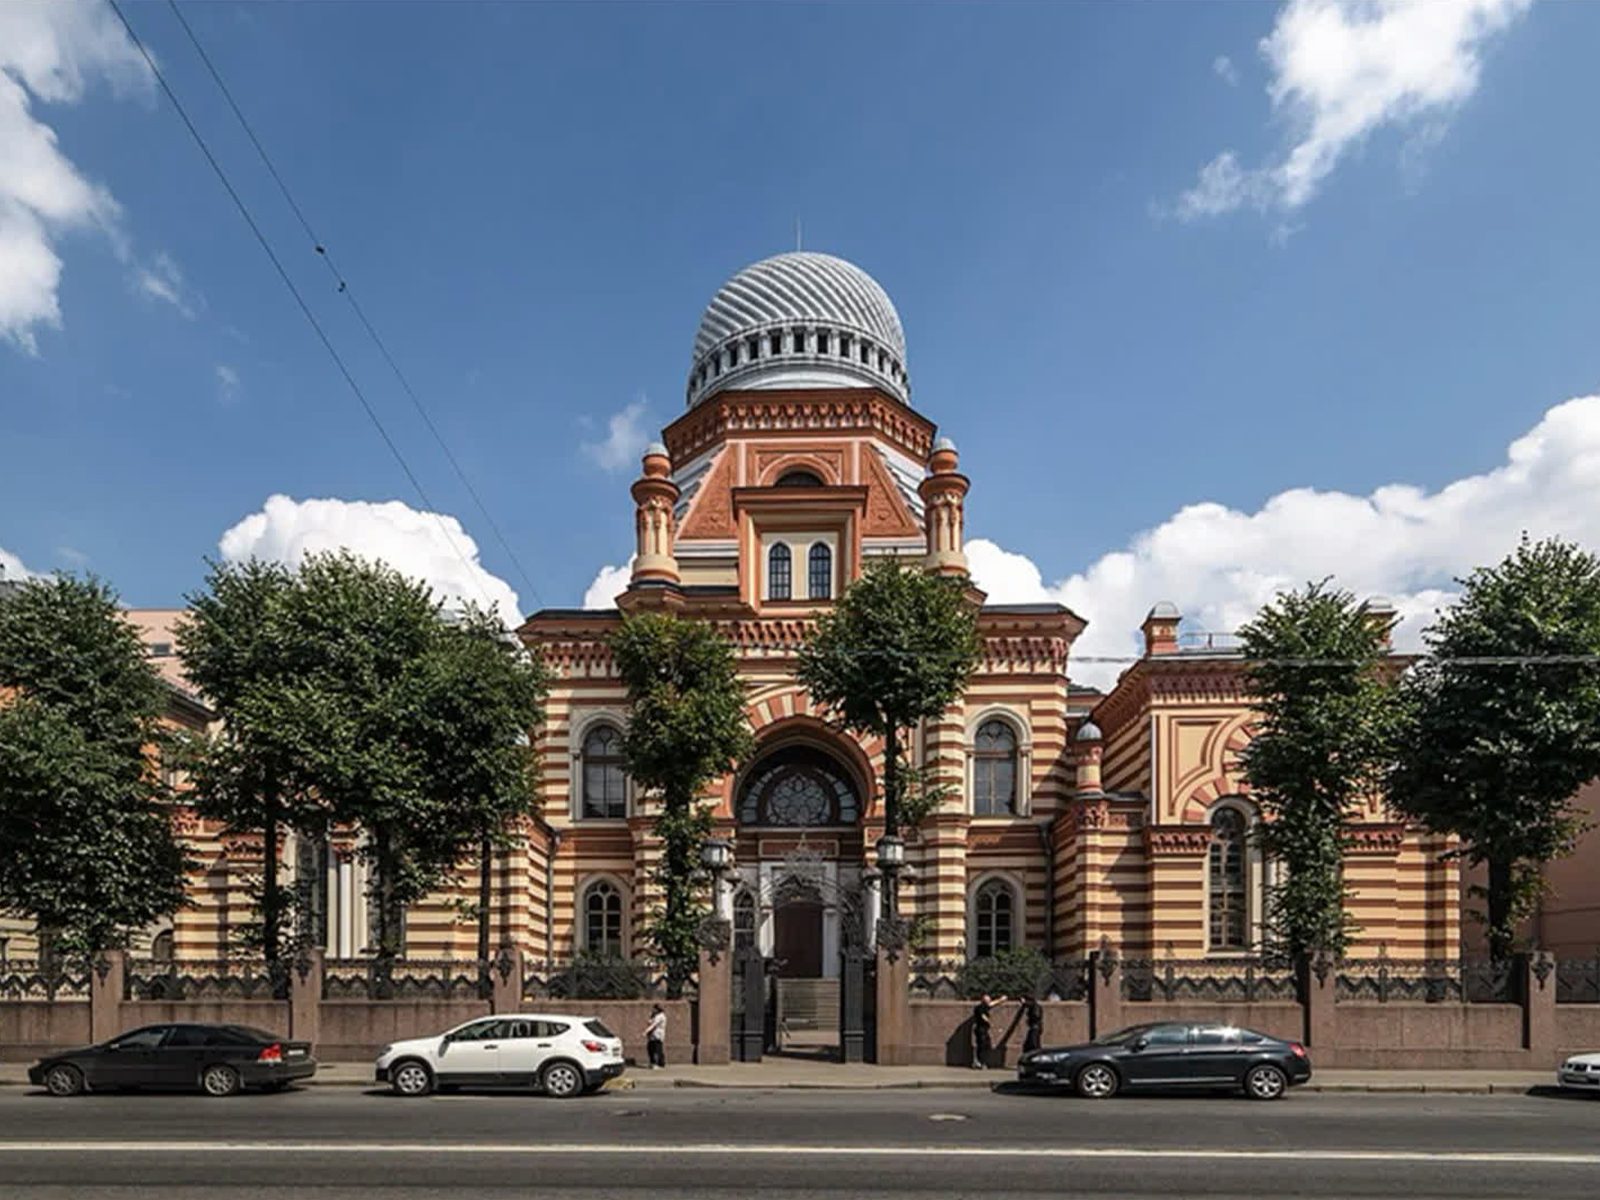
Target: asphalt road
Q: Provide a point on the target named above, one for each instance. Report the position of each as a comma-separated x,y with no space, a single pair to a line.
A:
691,1142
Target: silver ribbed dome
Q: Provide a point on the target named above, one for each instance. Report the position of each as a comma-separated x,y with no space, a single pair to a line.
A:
800,320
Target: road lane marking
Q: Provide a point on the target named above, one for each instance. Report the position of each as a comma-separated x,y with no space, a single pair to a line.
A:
734,1149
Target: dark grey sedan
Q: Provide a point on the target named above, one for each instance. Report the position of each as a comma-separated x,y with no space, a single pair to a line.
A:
1172,1056
218,1060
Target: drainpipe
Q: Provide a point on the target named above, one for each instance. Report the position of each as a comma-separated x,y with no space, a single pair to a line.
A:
550,894
1048,842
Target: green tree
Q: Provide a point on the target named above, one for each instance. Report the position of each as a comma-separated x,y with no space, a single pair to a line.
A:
89,851
484,692
361,634
898,648
1495,750
1317,670
686,728
237,649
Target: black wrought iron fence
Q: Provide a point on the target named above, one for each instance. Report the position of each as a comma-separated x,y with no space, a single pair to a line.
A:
1430,980
204,979
598,978
379,978
1214,980
963,979
1578,980
43,979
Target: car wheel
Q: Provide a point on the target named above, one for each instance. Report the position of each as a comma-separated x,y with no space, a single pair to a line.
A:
64,1079
562,1080
411,1079
219,1080
1265,1082
1097,1082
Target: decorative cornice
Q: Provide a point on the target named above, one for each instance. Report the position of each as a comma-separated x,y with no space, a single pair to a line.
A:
823,411
1375,839
1176,840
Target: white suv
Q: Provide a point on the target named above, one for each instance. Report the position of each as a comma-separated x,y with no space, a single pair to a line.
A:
564,1055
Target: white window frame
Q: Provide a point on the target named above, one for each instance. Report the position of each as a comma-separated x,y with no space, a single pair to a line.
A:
1255,880
582,725
1019,901
1024,781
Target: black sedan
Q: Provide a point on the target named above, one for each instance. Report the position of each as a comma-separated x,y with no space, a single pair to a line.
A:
1171,1056
218,1060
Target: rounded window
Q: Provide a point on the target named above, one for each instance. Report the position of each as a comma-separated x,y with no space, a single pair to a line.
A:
798,786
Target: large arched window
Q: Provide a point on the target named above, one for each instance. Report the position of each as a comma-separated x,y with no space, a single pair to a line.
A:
602,918
744,918
798,785
780,579
820,563
994,919
605,786
1227,884
994,770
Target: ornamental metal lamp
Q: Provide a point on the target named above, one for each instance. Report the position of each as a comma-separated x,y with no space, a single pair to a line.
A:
716,856
891,857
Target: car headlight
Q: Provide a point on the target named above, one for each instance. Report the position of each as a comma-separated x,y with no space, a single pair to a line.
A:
384,1053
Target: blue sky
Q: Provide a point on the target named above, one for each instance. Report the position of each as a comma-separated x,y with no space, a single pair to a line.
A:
534,202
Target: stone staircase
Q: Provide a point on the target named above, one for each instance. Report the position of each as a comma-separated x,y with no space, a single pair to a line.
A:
807,1004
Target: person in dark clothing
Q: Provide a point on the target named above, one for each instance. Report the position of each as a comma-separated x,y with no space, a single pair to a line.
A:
981,1044
1033,1021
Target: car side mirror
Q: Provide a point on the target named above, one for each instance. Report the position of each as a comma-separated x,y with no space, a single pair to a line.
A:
1139,1043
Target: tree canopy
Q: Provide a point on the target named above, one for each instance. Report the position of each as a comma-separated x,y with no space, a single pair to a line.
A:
1504,721
686,728
1316,666
898,648
90,855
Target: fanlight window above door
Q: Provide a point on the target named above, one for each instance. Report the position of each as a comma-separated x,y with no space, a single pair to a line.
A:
798,786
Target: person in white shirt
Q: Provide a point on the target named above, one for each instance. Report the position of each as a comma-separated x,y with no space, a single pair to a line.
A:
655,1036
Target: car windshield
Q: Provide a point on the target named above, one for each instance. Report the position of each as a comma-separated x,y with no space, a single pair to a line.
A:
250,1031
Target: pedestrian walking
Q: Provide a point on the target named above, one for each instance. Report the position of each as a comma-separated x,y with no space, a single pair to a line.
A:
655,1037
1033,1022
981,1044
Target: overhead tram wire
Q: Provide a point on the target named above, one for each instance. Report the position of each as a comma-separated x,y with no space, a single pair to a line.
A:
345,290
299,299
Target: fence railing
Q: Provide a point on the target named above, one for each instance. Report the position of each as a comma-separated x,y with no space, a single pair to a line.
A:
1430,980
43,979
379,978
963,979
588,978
1578,980
204,979
1215,980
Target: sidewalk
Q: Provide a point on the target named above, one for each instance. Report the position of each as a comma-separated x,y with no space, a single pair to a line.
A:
791,1073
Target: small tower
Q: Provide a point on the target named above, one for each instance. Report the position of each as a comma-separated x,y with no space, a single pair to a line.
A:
655,497
1160,629
1088,747
944,493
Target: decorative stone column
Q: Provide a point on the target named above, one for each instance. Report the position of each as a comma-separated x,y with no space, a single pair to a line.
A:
655,497
305,997
506,974
1535,974
944,494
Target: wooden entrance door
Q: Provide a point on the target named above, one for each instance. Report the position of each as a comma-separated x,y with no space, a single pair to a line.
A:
797,939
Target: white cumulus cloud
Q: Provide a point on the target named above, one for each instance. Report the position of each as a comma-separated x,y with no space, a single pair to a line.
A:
1219,565
50,52
12,568
609,583
1341,69
410,541
624,442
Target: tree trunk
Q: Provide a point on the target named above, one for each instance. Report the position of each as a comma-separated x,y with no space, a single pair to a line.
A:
485,866
891,780
1502,935
271,896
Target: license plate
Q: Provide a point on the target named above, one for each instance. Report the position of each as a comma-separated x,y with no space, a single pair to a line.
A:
297,1054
